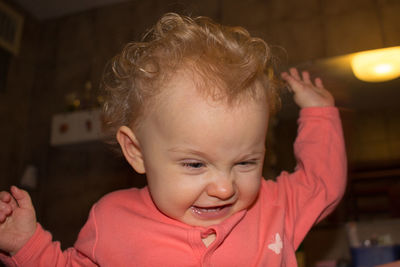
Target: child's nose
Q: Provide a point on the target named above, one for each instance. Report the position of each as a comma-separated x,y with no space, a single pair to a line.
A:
222,187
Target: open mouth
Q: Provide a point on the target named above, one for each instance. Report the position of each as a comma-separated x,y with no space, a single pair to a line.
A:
211,212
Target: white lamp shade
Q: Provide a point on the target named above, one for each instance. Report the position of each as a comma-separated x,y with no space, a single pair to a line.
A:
377,65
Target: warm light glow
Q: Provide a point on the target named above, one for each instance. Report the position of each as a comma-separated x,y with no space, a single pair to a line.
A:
383,68
377,65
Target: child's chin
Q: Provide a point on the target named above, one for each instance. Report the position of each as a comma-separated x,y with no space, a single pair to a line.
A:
203,223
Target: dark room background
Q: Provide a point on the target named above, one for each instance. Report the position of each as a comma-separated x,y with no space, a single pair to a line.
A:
64,53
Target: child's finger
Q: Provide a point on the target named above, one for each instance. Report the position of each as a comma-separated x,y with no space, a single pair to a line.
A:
306,77
22,197
295,73
5,210
295,85
5,196
285,76
318,83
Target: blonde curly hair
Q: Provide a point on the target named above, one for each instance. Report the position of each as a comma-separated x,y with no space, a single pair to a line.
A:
227,58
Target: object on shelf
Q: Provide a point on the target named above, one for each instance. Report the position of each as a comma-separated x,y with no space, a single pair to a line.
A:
373,243
29,178
76,127
374,255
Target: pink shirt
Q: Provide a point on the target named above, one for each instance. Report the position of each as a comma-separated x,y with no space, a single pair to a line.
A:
126,229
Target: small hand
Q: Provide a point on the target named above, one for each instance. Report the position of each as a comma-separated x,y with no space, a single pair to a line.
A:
17,220
307,94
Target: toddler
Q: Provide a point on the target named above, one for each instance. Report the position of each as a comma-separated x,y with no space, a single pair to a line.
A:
189,107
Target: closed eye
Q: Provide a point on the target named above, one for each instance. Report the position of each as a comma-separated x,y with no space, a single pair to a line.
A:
246,163
193,165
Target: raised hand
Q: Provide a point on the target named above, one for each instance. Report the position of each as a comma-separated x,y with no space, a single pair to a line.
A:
17,220
307,93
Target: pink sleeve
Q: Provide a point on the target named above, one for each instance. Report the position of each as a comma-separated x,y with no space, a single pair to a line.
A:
41,251
318,183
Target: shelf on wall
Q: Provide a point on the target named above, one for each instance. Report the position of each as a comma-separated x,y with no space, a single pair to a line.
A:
76,127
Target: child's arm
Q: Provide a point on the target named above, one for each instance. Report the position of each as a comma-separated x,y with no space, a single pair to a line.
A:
17,220
316,186
23,242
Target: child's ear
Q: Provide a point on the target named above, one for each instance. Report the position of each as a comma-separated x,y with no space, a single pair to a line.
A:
131,148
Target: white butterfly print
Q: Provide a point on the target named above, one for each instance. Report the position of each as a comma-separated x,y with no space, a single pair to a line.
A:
277,245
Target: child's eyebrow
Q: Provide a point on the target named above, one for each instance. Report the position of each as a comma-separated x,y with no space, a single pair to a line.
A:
254,153
187,151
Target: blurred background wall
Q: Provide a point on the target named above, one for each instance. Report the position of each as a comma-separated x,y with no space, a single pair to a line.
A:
61,53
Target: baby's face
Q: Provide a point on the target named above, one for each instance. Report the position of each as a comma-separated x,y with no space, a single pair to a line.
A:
203,159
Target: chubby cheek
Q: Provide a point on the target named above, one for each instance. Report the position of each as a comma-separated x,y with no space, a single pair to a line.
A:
174,196
249,189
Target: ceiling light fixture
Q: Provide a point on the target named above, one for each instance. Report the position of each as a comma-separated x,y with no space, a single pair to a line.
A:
377,65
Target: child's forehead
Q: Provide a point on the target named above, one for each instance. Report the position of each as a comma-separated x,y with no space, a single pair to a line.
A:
185,88
185,105
187,83
182,103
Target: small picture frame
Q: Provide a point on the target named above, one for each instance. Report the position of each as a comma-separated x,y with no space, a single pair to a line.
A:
11,24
